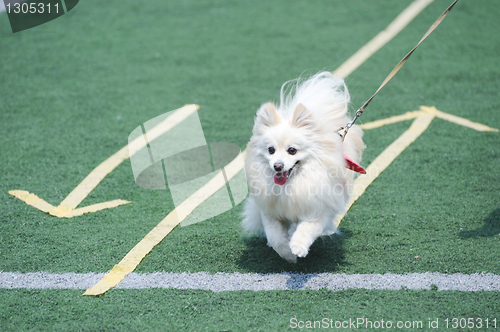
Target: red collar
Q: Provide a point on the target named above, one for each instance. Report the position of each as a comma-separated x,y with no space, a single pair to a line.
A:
354,166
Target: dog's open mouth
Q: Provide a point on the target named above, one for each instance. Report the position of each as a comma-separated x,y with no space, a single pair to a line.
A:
280,178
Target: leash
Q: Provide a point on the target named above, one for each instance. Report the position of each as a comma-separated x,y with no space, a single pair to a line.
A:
360,111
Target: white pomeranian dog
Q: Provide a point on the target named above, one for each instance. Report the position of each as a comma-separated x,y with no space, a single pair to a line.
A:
296,164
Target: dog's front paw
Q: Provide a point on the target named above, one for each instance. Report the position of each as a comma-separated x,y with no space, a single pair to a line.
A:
298,248
285,253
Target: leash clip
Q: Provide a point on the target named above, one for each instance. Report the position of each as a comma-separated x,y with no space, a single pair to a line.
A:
349,124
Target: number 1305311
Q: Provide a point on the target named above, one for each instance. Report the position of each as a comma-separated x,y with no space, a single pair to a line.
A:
32,8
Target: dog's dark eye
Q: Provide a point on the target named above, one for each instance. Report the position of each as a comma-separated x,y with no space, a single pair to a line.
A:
292,151
271,150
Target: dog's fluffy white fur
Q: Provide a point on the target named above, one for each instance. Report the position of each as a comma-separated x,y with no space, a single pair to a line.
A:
295,164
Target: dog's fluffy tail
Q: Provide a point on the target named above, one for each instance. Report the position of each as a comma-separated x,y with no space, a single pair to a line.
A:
324,95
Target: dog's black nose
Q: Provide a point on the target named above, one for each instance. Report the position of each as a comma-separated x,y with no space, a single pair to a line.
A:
278,166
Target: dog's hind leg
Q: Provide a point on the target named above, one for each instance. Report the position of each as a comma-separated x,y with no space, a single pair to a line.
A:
252,219
306,233
277,238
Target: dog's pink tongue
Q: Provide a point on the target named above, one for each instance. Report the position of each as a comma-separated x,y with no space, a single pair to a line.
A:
280,178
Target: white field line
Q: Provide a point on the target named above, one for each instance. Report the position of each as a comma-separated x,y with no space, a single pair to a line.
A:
220,282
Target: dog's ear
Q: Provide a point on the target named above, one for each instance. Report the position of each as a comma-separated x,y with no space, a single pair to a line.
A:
267,115
301,117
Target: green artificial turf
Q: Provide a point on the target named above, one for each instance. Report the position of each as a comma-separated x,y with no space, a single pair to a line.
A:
72,90
190,310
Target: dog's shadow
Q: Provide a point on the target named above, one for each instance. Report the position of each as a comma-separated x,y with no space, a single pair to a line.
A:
490,228
325,255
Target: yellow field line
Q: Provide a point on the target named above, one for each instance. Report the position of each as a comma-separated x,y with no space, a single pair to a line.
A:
423,118
99,173
40,204
134,257
384,159
391,120
464,122
33,200
67,208
96,207
382,38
